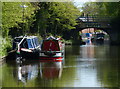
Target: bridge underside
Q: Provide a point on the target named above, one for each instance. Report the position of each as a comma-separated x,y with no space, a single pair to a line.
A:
113,34
105,23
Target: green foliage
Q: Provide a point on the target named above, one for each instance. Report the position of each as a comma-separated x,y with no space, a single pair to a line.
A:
108,9
12,15
16,20
50,17
5,46
91,8
38,18
102,8
56,17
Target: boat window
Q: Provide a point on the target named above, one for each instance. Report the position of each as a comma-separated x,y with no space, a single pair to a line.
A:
50,45
14,45
30,45
36,41
33,41
24,44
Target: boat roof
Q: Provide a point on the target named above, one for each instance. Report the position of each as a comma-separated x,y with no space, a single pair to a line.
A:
27,37
52,38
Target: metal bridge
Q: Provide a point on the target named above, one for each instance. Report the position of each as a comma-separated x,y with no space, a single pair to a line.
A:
104,23
94,21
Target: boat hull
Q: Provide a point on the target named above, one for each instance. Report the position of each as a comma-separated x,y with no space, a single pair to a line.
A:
51,59
51,56
29,55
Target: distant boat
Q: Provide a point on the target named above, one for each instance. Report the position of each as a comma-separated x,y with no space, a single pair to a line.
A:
26,47
52,49
100,37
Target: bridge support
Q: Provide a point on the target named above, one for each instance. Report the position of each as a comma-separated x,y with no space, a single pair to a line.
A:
76,38
115,38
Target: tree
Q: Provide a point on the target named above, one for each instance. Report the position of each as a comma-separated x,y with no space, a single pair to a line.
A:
12,16
56,17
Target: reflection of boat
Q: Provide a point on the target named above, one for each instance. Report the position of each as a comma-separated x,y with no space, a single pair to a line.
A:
27,72
50,70
27,46
52,49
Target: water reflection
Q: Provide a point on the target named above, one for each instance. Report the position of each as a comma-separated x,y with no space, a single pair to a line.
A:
26,72
87,51
96,65
85,66
50,70
47,70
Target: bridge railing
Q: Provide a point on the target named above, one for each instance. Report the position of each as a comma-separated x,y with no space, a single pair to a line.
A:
95,24
96,21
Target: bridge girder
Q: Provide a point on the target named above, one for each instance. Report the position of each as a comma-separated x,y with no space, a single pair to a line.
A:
94,21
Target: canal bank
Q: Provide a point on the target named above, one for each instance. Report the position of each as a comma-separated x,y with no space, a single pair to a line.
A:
5,48
2,60
10,55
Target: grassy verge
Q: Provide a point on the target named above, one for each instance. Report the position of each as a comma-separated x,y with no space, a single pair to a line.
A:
68,42
5,46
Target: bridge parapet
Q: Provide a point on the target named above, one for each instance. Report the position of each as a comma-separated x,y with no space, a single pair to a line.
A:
94,25
94,21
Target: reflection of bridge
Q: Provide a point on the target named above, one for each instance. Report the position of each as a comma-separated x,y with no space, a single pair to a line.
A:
97,22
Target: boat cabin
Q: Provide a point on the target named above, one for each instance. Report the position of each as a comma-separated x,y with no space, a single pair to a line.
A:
51,44
26,47
28,42
52,49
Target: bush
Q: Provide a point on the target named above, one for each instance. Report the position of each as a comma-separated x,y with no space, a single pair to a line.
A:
5,46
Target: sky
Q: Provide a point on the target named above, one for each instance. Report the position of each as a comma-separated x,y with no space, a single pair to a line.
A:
79,3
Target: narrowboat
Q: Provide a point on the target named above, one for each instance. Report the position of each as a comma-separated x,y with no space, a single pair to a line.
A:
52,49
26,47
100,37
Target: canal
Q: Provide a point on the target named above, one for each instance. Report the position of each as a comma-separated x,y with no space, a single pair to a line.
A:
83,66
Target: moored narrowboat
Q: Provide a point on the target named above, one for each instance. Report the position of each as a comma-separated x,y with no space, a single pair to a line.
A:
26,47
52,49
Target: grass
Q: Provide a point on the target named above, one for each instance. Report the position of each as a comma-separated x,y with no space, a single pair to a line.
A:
5,46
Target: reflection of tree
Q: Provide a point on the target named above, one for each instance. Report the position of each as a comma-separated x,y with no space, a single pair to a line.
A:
72,50
0,76
7,77
101,51
15,75
108,68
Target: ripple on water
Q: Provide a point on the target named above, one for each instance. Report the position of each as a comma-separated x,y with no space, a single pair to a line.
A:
88,46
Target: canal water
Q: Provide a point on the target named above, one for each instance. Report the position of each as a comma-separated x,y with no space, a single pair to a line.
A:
83,66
